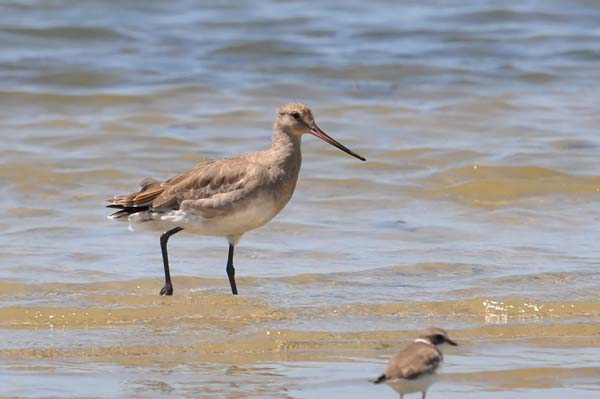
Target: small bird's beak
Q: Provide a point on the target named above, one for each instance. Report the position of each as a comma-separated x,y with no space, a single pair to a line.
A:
316,131
449,341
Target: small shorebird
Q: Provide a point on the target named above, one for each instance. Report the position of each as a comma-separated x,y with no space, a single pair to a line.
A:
225,197
415,367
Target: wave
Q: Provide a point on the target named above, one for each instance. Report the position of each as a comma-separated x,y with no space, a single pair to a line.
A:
76,33
503,185
136,301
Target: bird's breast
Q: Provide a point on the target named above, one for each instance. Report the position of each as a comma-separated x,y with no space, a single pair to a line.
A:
253,213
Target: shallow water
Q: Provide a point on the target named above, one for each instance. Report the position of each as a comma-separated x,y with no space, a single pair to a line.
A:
477,209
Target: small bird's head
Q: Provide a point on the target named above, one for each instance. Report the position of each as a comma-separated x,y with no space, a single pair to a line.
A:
436,336
297,119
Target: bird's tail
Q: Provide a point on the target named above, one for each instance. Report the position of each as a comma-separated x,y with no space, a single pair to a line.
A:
379,379
118,214
136,202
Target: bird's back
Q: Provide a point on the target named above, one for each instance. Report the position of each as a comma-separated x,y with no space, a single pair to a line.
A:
416,360
217,189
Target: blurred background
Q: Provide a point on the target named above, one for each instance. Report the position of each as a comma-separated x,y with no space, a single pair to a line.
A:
477,209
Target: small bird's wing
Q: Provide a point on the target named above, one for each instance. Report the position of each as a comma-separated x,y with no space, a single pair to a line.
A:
415,360
209,188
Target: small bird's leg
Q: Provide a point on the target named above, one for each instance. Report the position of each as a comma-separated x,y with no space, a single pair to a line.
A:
423,396
231,271
168,288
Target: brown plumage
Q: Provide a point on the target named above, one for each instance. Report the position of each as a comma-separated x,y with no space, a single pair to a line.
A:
210,189
415,360
225,197
414,368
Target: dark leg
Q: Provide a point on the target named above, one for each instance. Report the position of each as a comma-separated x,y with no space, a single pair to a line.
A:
424,395
231,271
168,288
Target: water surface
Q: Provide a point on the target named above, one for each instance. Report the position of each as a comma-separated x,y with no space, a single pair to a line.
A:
477,209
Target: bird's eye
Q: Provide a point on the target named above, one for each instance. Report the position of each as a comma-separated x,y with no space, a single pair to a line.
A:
296,116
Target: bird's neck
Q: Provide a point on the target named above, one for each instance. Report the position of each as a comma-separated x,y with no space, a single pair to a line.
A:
285,160
423,341
287,148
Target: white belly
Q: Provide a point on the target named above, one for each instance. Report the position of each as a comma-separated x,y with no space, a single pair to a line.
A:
234,223
403,386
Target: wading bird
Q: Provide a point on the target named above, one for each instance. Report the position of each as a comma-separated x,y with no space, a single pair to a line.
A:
225,197
415,367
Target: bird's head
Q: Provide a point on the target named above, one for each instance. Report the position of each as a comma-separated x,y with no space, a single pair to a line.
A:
297,119
437,336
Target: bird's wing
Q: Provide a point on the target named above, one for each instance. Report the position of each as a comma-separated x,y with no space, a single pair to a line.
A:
208,188
415,360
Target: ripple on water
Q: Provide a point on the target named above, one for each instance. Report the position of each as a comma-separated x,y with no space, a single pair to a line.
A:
492,106
134,302
66,33
488,186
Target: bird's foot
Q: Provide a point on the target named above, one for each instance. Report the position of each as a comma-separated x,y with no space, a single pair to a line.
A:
167,290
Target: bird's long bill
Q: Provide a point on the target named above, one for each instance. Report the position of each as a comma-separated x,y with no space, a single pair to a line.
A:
316,131
448,340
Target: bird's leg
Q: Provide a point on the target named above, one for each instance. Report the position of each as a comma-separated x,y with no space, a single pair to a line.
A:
168,288
231,271
424,395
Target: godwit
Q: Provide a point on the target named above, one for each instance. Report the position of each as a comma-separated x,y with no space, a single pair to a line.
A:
225,197
415,367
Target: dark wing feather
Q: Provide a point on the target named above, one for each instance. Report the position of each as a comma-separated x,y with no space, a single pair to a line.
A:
379,379
223,181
